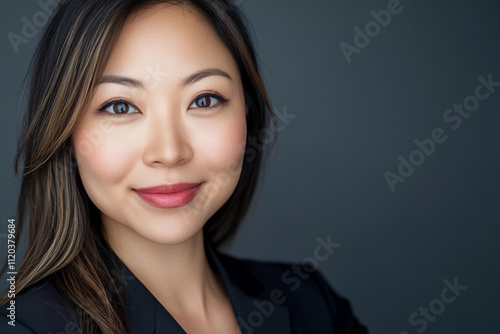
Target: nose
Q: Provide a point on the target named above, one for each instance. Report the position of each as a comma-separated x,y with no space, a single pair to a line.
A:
168,142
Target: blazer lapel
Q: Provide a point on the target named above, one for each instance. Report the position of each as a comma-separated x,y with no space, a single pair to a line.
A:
146,314
249,298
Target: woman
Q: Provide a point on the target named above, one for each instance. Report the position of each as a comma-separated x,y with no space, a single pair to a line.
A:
137,166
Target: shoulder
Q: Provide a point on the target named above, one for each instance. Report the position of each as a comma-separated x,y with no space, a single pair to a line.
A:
39,309
303,290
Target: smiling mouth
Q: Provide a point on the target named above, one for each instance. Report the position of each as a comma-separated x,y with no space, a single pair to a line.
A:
169,196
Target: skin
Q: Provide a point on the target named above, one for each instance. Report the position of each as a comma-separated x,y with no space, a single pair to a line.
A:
167,141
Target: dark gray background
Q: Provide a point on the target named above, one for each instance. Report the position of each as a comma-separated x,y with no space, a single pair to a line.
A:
351,123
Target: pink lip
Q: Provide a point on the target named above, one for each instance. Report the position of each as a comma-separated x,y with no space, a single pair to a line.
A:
169,196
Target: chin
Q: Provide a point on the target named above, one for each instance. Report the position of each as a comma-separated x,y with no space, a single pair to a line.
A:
170,232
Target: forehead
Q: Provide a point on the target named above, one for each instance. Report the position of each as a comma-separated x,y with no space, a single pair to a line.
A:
175,38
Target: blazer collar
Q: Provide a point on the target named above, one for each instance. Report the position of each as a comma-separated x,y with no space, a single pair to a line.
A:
249,299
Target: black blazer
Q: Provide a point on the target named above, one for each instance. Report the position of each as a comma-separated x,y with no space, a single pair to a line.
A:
274,298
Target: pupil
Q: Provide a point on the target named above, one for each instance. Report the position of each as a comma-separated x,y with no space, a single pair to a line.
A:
203,102
121,108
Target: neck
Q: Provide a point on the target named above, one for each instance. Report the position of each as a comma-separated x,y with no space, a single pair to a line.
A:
179,276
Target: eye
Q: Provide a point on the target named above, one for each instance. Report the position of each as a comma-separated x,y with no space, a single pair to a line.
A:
119,107
207,101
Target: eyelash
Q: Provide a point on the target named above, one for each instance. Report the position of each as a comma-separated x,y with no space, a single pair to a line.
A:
115,102
211,95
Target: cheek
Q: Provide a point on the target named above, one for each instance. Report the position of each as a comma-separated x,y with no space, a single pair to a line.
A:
103,156
223,146
220,151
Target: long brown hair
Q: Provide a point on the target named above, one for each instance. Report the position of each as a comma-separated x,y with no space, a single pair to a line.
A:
63,225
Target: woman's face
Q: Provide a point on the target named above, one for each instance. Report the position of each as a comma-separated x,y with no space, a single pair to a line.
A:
169,109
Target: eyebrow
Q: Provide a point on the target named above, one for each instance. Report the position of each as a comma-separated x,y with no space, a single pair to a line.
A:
203,74
134,83
121,80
